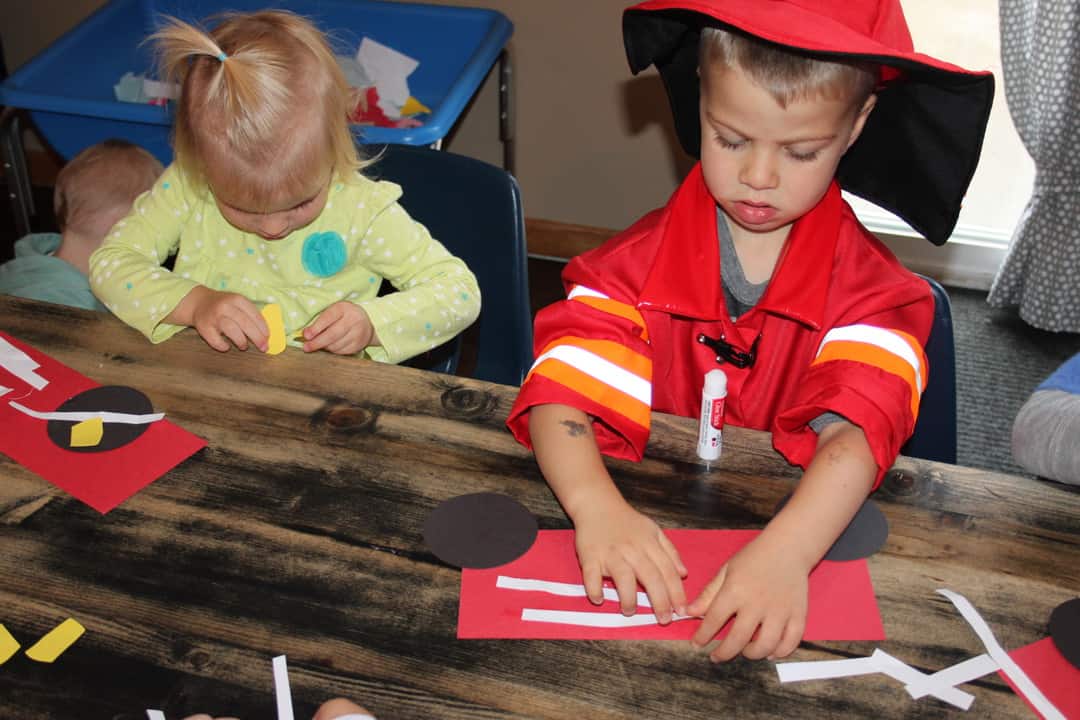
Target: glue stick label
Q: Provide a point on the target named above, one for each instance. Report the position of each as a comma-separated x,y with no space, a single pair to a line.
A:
710,428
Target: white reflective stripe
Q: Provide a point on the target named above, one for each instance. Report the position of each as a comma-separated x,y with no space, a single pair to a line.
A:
1008,666
593,619
964,672
581,290
602,370
885,339
557,588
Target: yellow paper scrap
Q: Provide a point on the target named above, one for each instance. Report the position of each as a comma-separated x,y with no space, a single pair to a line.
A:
87,433
413,106
56,641
8,645
274,320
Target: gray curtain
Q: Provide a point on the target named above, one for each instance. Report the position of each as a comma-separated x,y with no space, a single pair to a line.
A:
1040,50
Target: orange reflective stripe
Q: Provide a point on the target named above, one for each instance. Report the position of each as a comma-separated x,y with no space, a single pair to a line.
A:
872,355
611,351
584,384
614,307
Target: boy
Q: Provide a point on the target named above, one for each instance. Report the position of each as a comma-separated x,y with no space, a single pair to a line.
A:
92,193
758,264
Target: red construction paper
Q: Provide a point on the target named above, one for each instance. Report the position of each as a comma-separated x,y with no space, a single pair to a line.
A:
102,480
842,602
1055,676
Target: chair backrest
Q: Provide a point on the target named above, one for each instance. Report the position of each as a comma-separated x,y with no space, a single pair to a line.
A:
474,209
935,430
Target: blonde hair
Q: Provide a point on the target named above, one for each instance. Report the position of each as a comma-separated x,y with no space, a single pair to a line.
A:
785,73
263,105
103,177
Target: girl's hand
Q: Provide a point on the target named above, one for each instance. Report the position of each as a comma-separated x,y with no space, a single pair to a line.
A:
343,329
763,590
221,318
619,542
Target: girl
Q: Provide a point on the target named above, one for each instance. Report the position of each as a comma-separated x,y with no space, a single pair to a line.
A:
264,204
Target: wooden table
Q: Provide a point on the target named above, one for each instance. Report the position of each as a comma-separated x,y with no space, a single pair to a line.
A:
298,530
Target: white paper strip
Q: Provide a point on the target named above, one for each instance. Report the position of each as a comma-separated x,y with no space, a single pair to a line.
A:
1007,665
826,669
355,716
557,588
964,672
4,390
154,715
109,417
906,674
20,365
281,689
592,619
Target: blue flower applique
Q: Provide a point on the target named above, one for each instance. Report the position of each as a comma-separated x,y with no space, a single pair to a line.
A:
324,253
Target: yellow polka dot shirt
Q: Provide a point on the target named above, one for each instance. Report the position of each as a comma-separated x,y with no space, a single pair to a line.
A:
361,237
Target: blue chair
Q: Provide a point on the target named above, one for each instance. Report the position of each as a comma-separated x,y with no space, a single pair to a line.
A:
934,437
474,209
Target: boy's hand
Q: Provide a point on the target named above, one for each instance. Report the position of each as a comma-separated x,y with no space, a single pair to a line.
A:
764,589
221,318
343,329
614,540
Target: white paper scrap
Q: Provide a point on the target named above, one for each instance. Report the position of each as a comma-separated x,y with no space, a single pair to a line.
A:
826,669
1007,665
109,417
20,365
593,619
281,689
958,674
389,69
557,588
906,674
154,715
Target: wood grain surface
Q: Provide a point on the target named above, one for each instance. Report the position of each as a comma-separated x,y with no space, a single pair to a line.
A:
298,530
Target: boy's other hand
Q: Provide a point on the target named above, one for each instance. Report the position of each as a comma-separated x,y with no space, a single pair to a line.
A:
617,541
343,329
763,591
221,318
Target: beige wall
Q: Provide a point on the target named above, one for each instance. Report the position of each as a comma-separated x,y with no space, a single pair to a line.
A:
594,145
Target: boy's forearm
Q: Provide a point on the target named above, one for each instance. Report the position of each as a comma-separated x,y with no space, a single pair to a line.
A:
831,491
570,460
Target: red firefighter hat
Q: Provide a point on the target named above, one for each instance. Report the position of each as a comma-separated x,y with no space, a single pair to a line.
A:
921,143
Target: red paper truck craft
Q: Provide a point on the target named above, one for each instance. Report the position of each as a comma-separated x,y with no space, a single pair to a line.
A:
110,466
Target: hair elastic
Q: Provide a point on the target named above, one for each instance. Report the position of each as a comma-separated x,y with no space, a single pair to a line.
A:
222,57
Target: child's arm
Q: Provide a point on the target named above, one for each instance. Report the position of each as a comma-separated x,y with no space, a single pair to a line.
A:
126,272
437,296
763,587
613,540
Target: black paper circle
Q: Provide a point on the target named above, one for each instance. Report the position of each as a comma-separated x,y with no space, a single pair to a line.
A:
481,530
864,535
109,398
1065,630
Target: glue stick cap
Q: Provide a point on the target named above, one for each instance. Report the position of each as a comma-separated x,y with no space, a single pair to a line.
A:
715,383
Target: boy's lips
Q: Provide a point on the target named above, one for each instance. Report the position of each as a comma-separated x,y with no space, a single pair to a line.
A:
753,213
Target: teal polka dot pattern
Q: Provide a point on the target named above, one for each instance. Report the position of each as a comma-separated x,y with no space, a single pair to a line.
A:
324,254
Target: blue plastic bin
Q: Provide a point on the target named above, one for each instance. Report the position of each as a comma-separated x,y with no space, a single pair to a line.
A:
68,88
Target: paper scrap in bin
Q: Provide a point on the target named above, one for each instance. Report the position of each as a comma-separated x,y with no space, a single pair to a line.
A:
103,479
842,601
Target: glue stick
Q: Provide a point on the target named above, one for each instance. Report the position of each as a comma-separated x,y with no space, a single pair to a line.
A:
710,431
